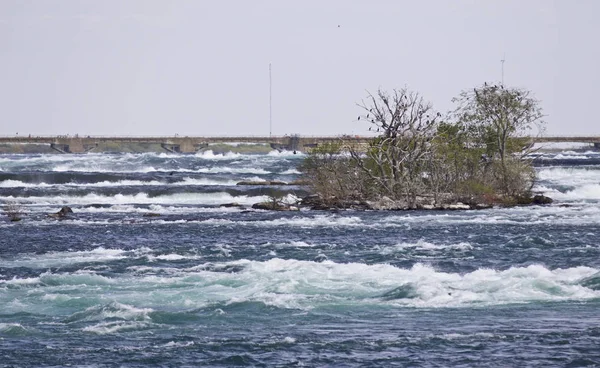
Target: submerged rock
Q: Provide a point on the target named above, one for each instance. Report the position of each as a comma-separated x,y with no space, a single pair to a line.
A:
314,202
265,182
541,199
64,212
151,214
228,205
320,258
274,206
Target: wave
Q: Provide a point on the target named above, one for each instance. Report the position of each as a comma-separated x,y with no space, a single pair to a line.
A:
13,329
114,310
135,163
187,181
286,154
58,259
426,246
19,184
152,169
294,284
210,155
570,176
139,198
113,327
233,170
587,192
305,284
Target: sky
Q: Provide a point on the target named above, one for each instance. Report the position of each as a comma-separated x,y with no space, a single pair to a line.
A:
193,67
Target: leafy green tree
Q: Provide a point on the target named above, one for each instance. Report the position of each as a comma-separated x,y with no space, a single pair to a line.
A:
496,119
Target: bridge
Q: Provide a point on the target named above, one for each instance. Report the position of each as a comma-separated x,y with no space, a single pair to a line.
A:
177,144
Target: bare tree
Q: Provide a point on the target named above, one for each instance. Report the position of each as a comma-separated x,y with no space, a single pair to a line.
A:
332,174
395,160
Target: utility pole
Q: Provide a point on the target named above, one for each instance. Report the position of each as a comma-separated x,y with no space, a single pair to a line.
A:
502,61
270,103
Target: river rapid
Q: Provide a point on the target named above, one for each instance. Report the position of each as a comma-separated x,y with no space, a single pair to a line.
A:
204,285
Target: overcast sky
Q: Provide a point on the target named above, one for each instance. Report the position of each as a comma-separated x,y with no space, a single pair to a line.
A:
153,67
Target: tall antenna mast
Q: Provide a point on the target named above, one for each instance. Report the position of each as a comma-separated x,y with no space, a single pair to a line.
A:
502,61
270,103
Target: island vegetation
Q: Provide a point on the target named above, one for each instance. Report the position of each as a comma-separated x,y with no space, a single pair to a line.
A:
476,156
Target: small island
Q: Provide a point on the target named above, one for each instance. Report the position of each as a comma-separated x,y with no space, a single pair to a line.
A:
471,158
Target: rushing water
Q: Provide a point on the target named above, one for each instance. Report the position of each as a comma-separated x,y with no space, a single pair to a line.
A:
204,285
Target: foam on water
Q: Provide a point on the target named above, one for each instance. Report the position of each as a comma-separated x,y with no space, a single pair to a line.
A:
13,329
19,184
287,154
57,259
300,285
570,156
140,198
113,327
423,245
154,208
210,155
584,192
120,183
232,170
570,176
136,163
290,172
152,169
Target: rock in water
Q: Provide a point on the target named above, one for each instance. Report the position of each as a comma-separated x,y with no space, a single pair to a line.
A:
271,206
230,205
266,182
320,258
64,211
541,199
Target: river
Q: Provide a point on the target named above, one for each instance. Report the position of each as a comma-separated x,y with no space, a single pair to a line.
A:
150,270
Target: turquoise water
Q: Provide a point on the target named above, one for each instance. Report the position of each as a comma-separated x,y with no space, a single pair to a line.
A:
203,285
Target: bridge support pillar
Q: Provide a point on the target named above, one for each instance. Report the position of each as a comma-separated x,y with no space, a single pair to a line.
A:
61,148
183,146
294,143
187,146
170,147
76,146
